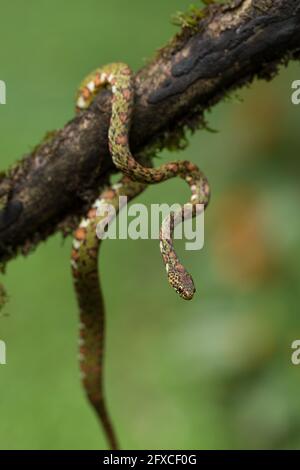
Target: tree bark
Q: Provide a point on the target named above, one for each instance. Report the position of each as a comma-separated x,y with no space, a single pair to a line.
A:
52,186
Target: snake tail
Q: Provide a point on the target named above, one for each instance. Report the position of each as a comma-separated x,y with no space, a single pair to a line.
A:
84,261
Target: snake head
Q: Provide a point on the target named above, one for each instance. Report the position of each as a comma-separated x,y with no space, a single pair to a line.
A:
181,281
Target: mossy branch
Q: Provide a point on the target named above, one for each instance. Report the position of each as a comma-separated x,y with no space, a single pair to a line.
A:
215,52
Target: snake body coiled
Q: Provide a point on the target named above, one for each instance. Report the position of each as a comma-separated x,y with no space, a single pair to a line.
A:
86,242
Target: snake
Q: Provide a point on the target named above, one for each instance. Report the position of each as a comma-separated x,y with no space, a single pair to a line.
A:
86,241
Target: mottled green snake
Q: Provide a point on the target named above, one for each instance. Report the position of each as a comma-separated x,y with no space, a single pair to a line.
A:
86,242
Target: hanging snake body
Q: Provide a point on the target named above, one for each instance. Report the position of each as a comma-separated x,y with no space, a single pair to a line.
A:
86,241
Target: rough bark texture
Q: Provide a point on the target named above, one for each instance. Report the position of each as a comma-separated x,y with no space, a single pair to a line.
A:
226,49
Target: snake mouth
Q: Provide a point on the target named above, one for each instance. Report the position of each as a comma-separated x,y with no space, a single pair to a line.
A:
186,294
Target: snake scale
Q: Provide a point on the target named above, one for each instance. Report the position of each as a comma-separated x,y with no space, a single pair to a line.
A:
86,243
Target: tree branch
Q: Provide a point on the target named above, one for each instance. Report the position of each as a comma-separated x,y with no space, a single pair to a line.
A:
50,187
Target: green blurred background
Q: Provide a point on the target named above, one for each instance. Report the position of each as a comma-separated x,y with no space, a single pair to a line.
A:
215,373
